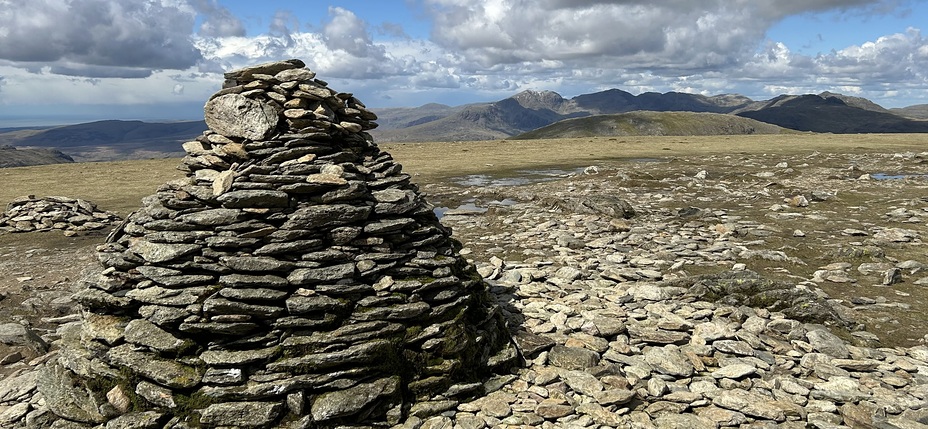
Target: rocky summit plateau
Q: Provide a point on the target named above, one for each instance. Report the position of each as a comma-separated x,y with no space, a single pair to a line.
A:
739,290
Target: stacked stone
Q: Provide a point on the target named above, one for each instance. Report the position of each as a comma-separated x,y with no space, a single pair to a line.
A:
294,278
26,214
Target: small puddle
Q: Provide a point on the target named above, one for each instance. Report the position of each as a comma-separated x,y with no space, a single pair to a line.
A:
521,177
471,208
648,160
888,176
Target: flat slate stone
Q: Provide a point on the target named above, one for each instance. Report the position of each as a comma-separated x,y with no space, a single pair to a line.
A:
749,403
669,360
72,404
313,217
161,371
254,199
249,281
344,403
256,264
242,414
735,371
161,252
573,358
213,217
15,334
238,357
310,304
269,68
531,344
305,276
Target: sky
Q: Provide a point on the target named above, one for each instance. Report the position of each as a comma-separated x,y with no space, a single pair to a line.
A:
69,61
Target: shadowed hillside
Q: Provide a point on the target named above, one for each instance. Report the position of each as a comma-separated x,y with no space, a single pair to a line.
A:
111,140
644,123
918,111
831,115
13,157
528,110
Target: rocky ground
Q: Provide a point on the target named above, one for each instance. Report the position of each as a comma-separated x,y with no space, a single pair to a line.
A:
678,292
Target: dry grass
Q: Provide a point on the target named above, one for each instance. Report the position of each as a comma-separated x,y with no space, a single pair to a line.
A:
119,186
435,161
114,186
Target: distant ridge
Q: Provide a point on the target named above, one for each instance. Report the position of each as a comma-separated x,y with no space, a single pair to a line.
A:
918,111
519,114
13,157
831,114
647,123
528,110
111,140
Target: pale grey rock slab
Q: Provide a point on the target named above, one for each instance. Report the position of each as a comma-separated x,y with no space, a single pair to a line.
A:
734,347
137,420
613,396
669,360
840,389
238,358
212,217
711,331
157,395
256,264
256,198
824,341
161,252
242,414
735,371
334,273
15,334
749,403
683,421
18,387
235,115
165,372
582,382
14,413
78,405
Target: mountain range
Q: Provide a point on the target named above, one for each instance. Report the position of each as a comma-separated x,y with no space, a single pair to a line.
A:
109,140
526,115
530,110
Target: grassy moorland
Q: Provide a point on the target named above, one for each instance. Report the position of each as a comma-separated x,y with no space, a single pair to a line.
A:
742,182
119,186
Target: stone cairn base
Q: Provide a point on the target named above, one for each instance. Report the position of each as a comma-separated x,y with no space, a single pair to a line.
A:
27,214
294,278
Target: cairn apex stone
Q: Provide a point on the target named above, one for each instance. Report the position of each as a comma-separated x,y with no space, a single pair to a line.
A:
295,277
271,68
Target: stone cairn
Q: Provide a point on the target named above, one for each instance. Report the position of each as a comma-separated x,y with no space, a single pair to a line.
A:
72,215
294,278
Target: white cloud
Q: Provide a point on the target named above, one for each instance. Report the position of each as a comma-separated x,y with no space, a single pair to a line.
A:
218,21
104,38
889,66
478,50
346,32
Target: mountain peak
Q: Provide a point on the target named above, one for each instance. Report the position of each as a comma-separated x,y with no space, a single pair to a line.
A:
858,102
534,99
